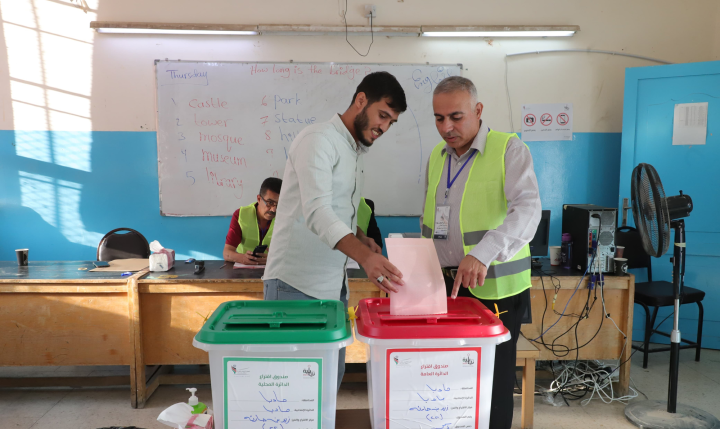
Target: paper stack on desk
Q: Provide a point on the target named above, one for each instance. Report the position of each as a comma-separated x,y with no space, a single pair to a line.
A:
424,289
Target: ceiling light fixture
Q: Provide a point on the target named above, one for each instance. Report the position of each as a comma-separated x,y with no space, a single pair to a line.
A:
490,31
162,28
494,31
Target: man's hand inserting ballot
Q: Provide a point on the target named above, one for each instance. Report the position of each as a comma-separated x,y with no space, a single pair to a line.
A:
379,270
382,273
470,273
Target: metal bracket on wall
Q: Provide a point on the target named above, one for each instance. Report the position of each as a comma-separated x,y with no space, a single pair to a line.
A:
625,208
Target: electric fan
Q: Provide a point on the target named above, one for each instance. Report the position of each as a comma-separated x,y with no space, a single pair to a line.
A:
655,214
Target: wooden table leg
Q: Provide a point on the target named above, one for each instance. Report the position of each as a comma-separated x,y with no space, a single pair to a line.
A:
624,376
137,369
528,394
131,319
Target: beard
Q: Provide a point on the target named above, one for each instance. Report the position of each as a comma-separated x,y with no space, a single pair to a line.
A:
361,125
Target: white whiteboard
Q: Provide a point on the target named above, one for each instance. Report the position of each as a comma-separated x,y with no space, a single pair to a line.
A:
224,127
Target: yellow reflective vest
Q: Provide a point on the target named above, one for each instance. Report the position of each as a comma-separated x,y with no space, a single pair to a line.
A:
363,215
247,218
483,208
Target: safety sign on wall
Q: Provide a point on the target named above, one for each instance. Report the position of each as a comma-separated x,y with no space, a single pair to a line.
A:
547,122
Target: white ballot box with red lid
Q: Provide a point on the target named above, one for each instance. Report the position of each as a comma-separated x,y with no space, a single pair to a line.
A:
430,371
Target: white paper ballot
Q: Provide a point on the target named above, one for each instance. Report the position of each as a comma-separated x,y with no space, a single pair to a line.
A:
690,124
424,290
547,122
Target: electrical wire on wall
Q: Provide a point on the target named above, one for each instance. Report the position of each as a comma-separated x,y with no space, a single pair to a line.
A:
372,37
587,51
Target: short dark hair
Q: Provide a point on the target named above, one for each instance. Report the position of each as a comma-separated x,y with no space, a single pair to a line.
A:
382,84
270,184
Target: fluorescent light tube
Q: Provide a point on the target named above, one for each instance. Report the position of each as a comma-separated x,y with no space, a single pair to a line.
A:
169,28
164,31
498,33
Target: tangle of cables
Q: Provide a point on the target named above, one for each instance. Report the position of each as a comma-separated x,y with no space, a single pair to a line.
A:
573,380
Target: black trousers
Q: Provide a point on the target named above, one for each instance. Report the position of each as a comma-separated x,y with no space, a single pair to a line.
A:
501,411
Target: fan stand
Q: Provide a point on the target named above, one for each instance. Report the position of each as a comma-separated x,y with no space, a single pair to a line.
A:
657,414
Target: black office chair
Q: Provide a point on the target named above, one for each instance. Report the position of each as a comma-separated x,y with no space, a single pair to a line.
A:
122,246
656,294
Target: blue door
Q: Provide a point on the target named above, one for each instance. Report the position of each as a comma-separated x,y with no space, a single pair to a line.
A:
650,97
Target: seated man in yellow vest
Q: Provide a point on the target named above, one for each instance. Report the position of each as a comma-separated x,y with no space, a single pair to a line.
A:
484,246
252,225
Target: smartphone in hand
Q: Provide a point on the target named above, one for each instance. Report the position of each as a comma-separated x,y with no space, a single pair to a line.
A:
259,249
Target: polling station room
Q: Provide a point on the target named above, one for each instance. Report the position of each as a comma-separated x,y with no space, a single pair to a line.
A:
321,214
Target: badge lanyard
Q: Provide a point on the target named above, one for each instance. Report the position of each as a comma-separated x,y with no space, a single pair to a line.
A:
451,182
442,212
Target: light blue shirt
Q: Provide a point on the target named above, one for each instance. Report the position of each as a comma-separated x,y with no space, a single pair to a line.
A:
321,191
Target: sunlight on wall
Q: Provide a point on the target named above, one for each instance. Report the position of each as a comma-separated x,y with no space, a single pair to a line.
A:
72,150
38,193
50,50
50,53
58,203
71,225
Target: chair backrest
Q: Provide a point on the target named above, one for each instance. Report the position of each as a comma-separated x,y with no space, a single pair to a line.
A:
629,237
131,244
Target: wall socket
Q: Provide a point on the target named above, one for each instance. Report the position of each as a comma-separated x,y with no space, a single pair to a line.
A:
370,11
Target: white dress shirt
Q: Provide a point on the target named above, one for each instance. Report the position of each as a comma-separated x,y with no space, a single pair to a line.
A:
321,191
521,192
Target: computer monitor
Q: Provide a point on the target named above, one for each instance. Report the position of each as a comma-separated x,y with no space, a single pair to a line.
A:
539,243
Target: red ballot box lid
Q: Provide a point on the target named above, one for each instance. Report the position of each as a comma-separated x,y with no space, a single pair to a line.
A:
466,318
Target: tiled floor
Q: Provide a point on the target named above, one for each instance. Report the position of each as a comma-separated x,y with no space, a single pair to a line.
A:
95,408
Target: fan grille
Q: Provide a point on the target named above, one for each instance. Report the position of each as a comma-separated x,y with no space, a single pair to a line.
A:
606,238
650,210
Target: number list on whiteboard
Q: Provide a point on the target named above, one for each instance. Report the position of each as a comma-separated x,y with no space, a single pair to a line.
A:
225,127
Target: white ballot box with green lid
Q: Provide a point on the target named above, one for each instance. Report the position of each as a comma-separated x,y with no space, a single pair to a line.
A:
275,363
430,371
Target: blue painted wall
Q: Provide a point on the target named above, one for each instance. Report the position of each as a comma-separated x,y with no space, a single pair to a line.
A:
650,97
61,191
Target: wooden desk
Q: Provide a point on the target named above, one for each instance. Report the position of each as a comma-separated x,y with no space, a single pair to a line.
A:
60,313
609,343
171,307
52,313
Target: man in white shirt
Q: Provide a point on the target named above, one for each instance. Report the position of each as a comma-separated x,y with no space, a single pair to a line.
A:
317,214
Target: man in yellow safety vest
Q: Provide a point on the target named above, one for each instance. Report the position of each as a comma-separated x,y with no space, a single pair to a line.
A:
252,226
482,208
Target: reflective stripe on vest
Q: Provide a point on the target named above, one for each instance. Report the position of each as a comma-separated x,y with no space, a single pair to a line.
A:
363,216
247,219
483,208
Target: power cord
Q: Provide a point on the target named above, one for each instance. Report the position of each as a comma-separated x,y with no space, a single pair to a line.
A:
372,37
570,299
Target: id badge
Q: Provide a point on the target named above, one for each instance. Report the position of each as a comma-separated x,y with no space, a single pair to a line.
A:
442,219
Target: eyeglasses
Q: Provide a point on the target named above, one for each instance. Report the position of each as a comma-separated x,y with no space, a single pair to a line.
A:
270,203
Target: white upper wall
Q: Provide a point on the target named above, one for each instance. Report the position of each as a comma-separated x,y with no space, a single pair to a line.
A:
57,74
